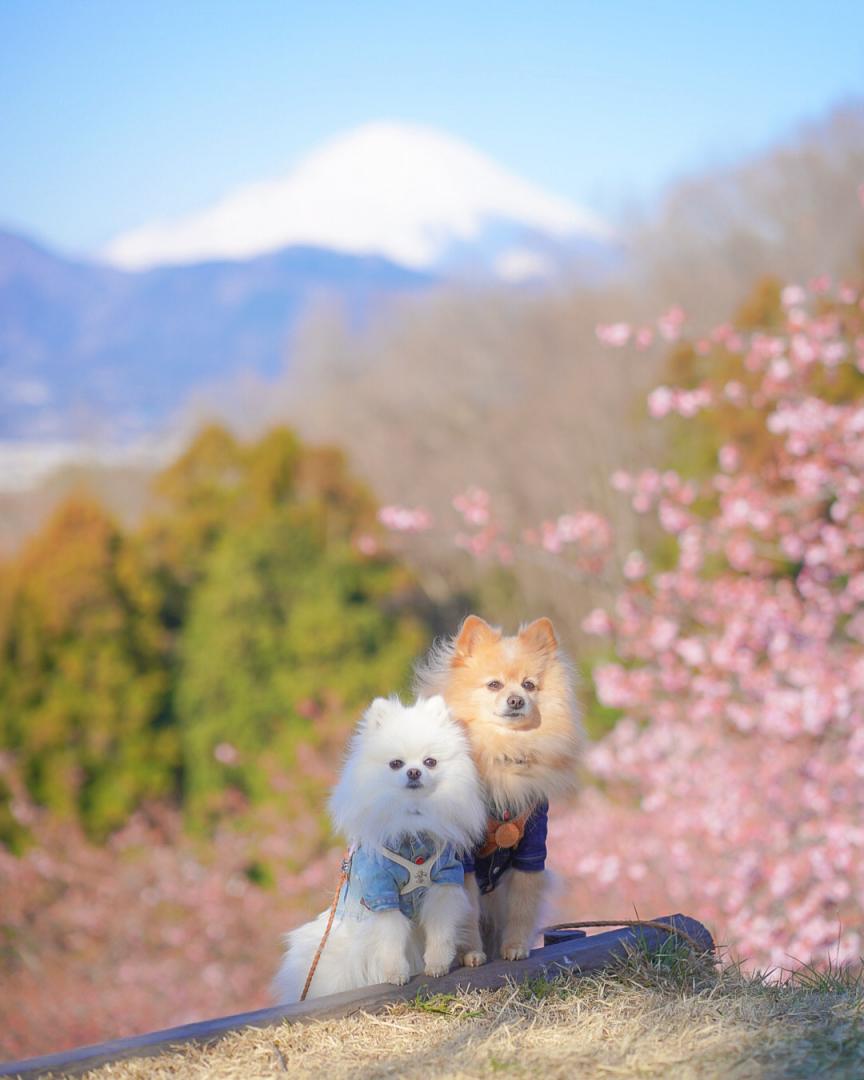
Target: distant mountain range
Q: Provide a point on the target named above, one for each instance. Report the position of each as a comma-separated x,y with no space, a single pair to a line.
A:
108,350
83,344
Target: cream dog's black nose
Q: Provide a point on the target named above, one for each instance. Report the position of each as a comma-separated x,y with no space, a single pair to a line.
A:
515,702
414,774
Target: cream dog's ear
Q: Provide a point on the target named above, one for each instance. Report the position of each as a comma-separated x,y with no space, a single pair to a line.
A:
473,632
539,635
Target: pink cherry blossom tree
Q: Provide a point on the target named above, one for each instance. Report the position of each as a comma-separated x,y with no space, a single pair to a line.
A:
732,784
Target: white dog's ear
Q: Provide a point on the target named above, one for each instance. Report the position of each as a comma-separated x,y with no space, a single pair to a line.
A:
437,705
377,712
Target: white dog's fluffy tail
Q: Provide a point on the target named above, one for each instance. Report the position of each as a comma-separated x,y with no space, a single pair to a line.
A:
300,946
357,953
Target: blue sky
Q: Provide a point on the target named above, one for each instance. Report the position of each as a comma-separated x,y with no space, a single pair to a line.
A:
116,112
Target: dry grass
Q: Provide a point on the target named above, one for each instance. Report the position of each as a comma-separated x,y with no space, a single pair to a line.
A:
650,1018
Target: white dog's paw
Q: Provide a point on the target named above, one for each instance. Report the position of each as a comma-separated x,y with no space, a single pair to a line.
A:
437,962
398,976
515,952
475,958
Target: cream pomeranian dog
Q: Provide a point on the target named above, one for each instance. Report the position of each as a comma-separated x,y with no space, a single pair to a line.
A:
410,804
515,697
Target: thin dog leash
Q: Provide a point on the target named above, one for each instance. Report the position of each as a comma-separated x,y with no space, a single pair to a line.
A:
343,877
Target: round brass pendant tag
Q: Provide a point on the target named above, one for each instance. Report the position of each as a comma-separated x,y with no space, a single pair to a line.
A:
507,835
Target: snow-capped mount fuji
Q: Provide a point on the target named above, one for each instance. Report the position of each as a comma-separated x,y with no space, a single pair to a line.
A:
414,196
386,212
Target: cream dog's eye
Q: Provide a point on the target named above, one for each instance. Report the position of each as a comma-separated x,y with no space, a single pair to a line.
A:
430,762
494,685
529,684
396,763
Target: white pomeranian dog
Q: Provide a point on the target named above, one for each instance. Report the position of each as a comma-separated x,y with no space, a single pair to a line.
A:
410,804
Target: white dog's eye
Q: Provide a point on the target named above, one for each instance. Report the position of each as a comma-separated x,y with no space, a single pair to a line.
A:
396,763
430,762
494,685
528,684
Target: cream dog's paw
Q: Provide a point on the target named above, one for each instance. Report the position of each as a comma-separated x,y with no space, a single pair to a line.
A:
435,970
514,952
474,959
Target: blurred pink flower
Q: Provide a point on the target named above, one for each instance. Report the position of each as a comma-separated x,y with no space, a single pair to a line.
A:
366,544
671,323
597,622
614,334
226,754
793,296
404,519
635,566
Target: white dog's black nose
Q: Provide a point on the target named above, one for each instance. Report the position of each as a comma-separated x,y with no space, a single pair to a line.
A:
414,774
515,702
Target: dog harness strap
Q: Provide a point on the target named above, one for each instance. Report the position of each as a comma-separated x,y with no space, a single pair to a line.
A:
419,874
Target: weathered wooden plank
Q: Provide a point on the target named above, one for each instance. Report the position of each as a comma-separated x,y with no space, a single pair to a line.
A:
583,954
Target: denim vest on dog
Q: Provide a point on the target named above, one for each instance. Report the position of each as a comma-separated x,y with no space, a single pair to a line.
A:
383,880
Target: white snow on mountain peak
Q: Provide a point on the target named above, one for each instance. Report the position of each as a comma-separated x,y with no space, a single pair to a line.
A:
401,191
